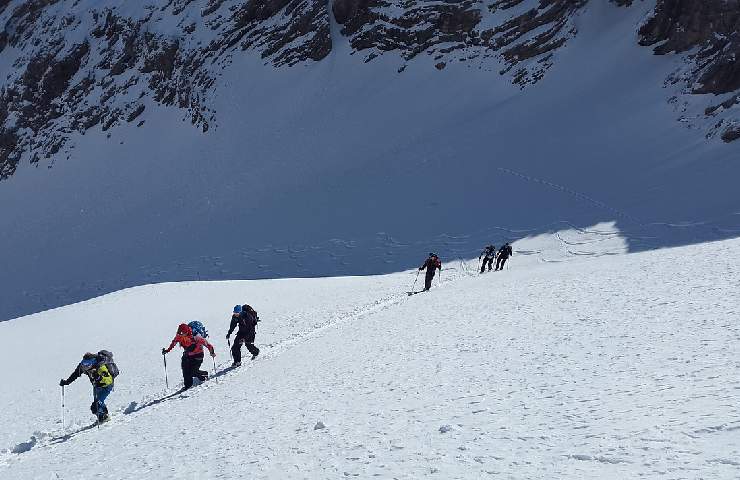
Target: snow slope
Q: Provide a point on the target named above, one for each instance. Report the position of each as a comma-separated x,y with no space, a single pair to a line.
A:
346,168
622,366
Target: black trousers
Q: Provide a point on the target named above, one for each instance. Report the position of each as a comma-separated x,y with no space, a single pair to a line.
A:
191,368
236,349
428,279
486,260
501,261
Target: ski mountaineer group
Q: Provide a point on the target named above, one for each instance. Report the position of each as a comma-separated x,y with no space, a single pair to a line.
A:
489,255
192,337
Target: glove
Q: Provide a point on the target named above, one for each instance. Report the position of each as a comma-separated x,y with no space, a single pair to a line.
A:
164,351
213,354
63,383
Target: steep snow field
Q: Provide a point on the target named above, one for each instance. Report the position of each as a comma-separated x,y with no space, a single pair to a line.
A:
622,366
347,168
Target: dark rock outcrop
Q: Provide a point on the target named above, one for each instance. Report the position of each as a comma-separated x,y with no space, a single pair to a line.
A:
712,26
710,30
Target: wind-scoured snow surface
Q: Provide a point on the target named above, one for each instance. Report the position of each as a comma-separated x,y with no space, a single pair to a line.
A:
344,168
624,366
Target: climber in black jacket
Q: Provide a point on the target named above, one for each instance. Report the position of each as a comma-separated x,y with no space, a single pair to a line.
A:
246,320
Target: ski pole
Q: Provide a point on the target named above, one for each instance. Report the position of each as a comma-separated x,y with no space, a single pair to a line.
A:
97,406
214,369
166,382
63,425
415,280
228,340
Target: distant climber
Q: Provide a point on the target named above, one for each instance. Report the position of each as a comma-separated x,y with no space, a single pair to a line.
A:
488,255
503,254
101,370
246,319
431,264
192,356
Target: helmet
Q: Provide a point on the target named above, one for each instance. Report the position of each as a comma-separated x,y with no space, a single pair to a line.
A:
237,308
184,329
88,360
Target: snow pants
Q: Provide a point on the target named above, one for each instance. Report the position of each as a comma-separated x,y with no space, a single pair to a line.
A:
98,407
236,349
191,368
486,260
428,279
501,261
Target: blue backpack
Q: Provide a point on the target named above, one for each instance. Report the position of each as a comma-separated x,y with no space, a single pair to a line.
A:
198,329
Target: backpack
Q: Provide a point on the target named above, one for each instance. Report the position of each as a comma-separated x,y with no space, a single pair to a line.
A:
198,329
106,358
251,311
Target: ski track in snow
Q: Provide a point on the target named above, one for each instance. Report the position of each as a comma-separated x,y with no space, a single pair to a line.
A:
617,367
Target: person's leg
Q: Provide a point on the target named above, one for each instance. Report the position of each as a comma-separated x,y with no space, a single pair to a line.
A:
253,350
428,281
236,349
503,262
483,265
490,263
100,395
187,372
197,372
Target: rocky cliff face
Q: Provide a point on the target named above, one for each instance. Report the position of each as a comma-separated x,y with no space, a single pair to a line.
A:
709,30
72,66
78,66
515,31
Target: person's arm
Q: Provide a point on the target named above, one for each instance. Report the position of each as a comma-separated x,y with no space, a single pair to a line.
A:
232,326
207,344
424,265
172,345
75,375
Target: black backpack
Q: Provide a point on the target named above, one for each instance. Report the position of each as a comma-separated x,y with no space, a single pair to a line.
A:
106,358
252,312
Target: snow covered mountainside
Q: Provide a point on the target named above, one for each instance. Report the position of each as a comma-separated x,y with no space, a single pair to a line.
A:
174,140
624,366
74,65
